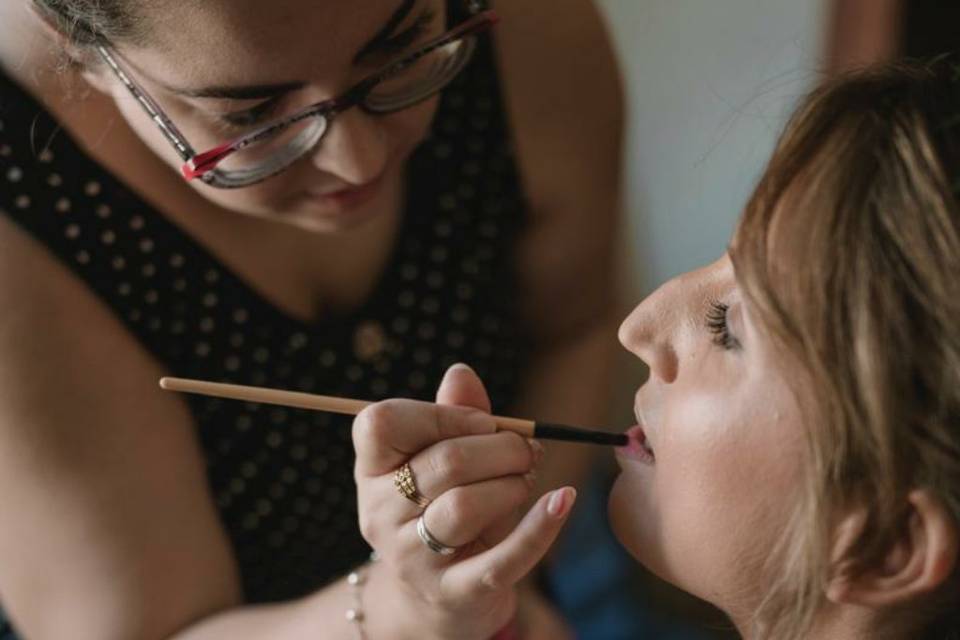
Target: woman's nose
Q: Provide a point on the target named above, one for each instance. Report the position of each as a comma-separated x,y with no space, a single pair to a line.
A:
648,333
664,327
355,149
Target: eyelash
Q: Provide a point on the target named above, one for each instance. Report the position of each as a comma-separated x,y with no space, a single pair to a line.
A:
717,325
250,117
396,44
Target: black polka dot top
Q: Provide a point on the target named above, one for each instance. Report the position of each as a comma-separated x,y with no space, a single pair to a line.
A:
282,478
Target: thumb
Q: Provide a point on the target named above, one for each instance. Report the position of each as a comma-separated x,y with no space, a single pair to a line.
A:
462,387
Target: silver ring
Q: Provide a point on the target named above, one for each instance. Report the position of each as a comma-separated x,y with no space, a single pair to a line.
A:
432,543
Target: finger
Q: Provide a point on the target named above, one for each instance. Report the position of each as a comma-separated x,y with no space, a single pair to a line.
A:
471,459
461,386
507,563
388,433
461,515
448,464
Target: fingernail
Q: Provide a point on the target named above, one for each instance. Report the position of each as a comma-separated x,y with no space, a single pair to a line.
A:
559,502
537,448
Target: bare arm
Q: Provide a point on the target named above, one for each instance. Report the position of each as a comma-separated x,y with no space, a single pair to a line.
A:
565,101
108,529
862,32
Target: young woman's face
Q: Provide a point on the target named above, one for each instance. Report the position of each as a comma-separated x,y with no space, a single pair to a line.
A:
705,510
289,54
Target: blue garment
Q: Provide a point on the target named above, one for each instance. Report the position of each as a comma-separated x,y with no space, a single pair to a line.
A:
595,581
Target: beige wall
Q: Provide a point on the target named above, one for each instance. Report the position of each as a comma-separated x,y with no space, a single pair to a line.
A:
710,83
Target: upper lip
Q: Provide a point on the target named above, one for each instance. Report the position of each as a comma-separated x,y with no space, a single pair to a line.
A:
641,422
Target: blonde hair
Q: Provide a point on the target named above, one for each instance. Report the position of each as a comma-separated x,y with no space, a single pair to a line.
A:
849,254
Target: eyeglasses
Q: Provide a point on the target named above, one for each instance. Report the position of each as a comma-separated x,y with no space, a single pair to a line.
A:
270,149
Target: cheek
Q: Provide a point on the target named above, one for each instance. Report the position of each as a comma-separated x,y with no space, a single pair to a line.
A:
713,505
724,476
406,129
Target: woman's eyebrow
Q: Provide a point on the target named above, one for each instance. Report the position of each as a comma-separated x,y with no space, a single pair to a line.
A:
248,92
383,35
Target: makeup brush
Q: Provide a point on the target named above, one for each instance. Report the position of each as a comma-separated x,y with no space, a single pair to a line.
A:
348,406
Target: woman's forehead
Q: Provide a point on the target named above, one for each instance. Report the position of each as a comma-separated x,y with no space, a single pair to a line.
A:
225,42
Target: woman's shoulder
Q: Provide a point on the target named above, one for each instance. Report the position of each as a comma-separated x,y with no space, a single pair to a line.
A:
86,434
564,99
559,64
563,93
50,315
71,377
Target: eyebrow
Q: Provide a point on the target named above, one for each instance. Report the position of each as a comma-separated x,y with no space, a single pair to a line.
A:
261,91
250,92
385,32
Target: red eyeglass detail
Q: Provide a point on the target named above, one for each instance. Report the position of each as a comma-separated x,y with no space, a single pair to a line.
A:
203,163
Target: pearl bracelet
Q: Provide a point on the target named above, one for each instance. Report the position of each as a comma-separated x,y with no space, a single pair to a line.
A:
357,579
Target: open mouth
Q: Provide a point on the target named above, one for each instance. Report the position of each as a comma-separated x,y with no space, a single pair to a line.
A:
639,447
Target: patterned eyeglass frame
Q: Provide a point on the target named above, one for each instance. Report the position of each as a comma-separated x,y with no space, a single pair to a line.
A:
202,165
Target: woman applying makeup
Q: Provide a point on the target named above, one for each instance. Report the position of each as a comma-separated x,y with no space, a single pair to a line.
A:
438,186
797,456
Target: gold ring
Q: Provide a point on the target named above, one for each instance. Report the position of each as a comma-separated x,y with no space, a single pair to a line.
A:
407,486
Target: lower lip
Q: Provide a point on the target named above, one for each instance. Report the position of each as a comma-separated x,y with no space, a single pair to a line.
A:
635,449
347,199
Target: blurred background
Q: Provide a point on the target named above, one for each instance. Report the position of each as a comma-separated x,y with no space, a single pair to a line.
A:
709,85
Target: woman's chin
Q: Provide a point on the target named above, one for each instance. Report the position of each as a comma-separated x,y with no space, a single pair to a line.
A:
622,507
323,217
634,522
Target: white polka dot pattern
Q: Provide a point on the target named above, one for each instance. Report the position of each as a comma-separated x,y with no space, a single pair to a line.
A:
282,479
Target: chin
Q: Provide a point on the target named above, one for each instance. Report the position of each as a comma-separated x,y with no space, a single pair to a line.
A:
621,507
323,219
316,216
633,520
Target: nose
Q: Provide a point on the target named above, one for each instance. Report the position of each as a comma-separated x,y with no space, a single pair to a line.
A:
355,149
666,324
648,332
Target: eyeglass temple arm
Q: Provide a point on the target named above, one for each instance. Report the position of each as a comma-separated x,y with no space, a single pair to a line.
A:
167,128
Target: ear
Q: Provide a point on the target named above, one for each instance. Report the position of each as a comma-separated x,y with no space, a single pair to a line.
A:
918,563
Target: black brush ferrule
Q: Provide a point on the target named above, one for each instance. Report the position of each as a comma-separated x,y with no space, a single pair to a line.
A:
550,431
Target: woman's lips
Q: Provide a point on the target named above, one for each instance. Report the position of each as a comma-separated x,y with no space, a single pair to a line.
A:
349,198
638,448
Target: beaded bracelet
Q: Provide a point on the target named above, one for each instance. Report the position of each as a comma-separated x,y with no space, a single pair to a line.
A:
357,579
